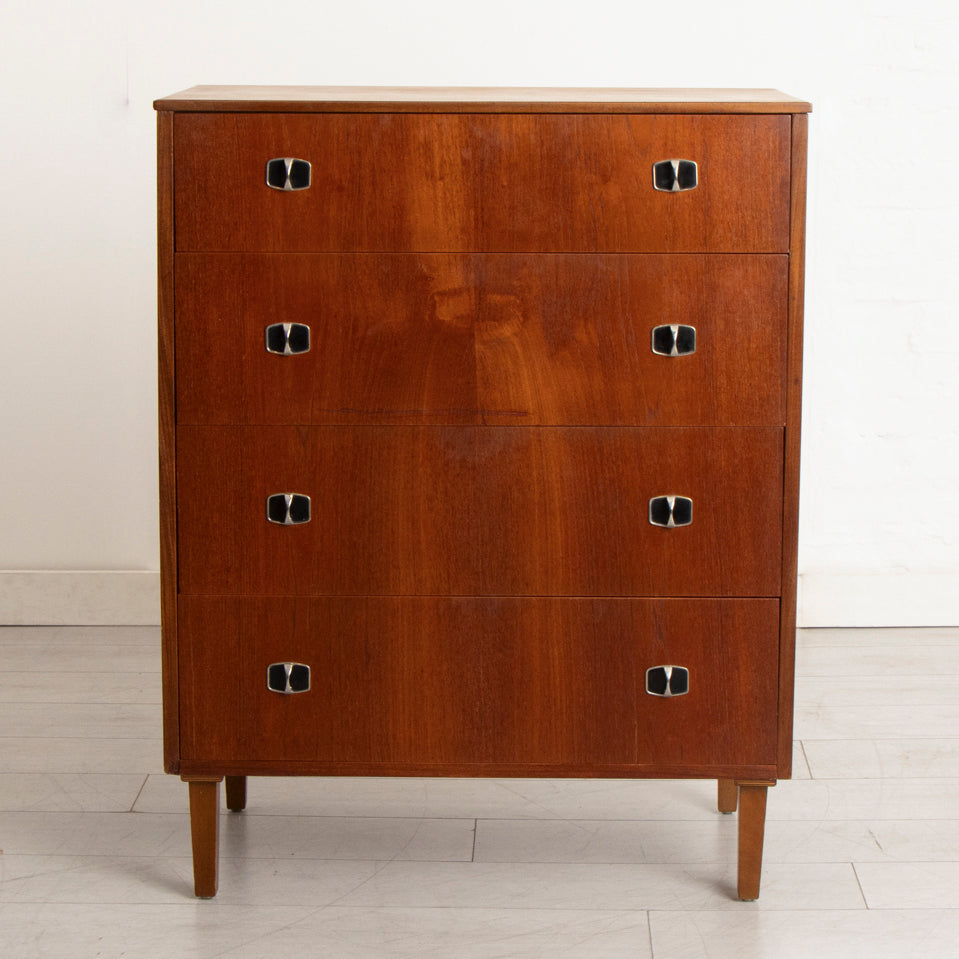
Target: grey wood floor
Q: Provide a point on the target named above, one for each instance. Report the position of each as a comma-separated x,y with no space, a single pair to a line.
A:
862,847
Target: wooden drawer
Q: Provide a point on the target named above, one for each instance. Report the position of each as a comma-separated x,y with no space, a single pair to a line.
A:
484,183
480,511
498,339
496,686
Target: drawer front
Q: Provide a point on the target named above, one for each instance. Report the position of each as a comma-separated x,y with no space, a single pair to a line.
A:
483,183
498,339
480,511
428,681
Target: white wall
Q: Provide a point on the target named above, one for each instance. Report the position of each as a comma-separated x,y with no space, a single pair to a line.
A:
77,385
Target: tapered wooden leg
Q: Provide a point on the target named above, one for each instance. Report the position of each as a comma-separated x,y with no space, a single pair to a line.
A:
752,825
236,793
727,795
204,827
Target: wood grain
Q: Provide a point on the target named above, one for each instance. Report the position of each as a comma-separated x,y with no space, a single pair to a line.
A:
480,511
166,380
481,183
480,100
752,826
205,835
474,681
727,795
587,770
554,339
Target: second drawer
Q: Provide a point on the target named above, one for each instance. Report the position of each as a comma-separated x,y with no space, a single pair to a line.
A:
558,340
479,511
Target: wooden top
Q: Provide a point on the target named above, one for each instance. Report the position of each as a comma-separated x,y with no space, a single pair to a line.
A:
307,99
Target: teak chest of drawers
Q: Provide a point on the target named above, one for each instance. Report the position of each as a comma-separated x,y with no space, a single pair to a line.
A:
479,437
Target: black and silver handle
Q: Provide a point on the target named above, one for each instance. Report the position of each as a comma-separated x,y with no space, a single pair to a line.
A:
288,509
288,173
675,176
287,339
288,678
670,511
674,339
666,681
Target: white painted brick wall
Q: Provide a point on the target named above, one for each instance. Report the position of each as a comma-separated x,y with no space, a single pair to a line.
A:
880,514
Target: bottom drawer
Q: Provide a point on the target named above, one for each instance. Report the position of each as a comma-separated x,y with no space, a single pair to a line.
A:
478,685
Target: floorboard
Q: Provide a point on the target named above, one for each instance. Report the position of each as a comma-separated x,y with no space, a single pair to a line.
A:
861,854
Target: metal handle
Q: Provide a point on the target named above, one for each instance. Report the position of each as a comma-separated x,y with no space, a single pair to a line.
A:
675,176
667,681
287,339
288,509
670,511
288,678
288,173
674,340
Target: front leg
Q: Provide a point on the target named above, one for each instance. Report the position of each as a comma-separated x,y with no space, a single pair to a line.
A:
752,825
205,832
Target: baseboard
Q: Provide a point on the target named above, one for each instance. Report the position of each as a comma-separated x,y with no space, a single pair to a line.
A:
879,599
79,598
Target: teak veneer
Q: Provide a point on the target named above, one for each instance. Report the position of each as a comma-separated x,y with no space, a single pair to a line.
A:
489,431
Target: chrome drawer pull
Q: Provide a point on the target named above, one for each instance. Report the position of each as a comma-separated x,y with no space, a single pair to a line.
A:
288,678
288,173
675,176
670,511
674,340
288,509
287,339
667,681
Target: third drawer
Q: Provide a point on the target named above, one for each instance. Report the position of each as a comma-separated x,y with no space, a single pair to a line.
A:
480,511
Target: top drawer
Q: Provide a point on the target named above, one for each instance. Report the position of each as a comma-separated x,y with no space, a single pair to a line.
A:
481,183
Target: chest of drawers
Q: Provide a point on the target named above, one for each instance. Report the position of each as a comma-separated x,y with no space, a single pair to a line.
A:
479,437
